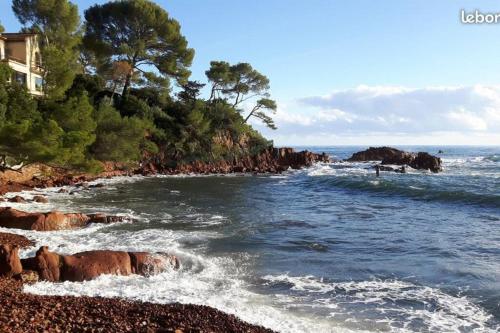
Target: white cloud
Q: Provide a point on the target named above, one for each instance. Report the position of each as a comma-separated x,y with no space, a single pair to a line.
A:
468,114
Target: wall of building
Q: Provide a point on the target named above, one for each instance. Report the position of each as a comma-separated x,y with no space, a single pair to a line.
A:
16,50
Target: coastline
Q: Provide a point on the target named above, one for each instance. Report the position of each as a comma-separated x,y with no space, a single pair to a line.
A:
27,312
23,312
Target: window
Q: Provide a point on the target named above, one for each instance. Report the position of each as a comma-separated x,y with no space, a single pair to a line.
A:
20,78
38,84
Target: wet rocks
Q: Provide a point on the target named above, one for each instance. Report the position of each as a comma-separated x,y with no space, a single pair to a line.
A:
10,263
426,161
83,266
17,199
13,239
103,218
12,218
388,155
40,199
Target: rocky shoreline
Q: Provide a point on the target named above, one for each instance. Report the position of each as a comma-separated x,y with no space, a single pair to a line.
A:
23,312
271,160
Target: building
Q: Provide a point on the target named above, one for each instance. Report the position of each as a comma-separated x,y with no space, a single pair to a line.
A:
21,52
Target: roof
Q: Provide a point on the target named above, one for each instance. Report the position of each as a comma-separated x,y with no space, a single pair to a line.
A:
16,35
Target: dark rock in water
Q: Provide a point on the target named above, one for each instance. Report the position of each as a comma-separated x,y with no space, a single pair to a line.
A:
426,161
440,151
17,199
384,168
98,185
62,190
102,218
40,199
388,155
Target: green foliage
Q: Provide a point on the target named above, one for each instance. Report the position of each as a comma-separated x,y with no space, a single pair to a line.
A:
25,136
85,120
57,22
119,139
2,29
241,82
75,117
92,85
141,33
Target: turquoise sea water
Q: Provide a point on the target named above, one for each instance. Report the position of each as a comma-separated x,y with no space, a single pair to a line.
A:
331,248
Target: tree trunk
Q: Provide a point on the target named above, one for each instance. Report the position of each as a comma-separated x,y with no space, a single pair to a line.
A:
127,85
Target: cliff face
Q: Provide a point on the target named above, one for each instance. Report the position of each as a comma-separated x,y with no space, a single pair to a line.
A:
273,160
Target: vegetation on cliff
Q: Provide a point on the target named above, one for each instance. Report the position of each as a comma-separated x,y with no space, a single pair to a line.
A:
117,89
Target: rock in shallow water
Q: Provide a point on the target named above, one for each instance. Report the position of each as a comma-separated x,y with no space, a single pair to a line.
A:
50,221
83,266
388,155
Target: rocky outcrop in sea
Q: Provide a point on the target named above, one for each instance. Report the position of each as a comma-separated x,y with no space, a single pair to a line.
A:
388,155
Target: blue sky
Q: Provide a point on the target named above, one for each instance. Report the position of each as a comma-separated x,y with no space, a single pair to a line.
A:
408,71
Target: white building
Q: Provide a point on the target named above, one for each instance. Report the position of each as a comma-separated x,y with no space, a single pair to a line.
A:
21,52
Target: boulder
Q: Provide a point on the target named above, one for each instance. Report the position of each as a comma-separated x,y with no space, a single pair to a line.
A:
378,154
102,218
426,161
388,155
12,218
17,199
88,265
40,199
10,264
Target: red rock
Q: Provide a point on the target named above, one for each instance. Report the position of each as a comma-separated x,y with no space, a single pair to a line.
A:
12,218
88,265
10,264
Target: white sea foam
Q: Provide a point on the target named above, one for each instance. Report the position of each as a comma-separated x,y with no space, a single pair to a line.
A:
439,311
213,281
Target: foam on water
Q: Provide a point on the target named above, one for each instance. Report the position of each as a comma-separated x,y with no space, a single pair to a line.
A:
213,281
433,308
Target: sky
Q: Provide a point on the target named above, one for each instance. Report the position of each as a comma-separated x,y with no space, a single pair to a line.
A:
358,72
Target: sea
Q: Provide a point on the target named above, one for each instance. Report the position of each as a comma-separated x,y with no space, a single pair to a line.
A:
329,248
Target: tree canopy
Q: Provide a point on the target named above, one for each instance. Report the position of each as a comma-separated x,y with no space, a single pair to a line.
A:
136,47
140,33
240,82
